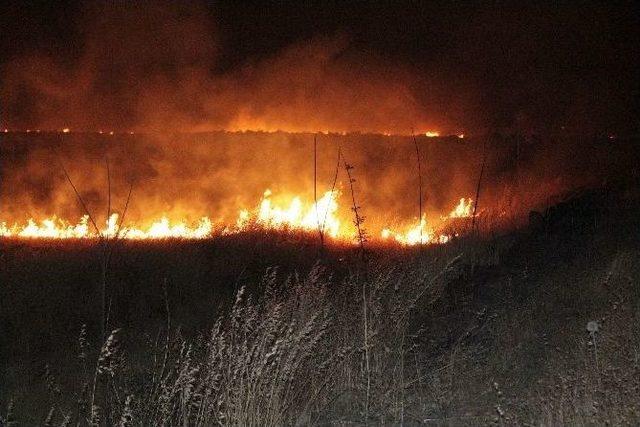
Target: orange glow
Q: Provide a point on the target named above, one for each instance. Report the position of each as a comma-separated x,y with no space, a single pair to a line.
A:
272,213
66,130
432,134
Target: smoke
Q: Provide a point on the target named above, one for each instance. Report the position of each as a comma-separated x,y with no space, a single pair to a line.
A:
163,65
154,69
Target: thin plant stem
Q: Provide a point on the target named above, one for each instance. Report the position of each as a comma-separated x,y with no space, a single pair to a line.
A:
415,143
475,205
315,190
356,210
333,186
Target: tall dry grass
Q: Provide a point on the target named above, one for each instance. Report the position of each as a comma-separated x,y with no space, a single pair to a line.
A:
381,346
301,352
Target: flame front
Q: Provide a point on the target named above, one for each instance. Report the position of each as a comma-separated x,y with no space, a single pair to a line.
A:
268,215
294,216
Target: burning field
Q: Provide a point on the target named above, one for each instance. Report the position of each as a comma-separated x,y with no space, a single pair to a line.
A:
222,184
411,190
320,217
223,213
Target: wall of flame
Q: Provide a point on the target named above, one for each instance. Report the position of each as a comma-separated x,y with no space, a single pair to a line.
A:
224,176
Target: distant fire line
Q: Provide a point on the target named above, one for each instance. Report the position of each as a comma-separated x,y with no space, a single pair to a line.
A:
428,134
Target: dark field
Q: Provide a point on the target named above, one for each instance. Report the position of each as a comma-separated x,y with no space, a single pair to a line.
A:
484,329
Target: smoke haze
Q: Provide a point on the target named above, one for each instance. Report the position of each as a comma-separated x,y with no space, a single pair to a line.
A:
199,66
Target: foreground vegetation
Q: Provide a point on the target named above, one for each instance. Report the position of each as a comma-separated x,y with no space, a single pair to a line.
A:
534,327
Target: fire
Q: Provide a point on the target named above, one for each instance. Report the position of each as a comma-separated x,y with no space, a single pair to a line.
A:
48,228
432,134
163,229
269,214
294,215
321,216
417,235
463,209
421,234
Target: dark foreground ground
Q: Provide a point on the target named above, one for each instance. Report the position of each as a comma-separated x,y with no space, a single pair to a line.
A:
537,326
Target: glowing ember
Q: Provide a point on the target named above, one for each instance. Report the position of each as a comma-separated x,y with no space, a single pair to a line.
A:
432,134
66,130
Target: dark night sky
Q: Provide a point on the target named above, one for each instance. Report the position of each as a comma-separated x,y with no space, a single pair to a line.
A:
474,65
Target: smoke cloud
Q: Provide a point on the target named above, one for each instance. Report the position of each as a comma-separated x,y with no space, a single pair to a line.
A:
154,69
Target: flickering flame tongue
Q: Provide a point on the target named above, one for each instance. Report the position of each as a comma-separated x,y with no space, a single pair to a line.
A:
269,215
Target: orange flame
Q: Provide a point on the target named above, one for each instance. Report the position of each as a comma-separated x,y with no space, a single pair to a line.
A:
463,209
417,235
268,214
421,234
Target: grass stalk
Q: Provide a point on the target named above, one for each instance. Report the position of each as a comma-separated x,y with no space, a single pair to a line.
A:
315,191
358,219
418,160
475,205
